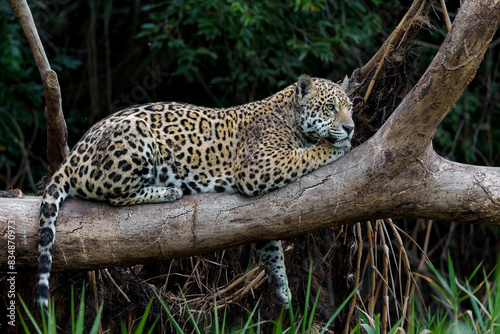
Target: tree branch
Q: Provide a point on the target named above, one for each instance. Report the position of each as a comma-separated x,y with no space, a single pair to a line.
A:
413,17
394,174
57,147
438,90
93,235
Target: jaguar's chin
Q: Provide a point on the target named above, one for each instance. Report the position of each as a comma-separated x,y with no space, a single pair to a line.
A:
332,140
342,142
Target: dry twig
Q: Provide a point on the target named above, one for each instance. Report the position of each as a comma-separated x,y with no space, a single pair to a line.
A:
356,276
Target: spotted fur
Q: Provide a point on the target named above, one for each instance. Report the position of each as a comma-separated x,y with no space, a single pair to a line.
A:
159,152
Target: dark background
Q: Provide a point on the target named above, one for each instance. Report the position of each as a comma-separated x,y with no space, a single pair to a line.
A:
113,54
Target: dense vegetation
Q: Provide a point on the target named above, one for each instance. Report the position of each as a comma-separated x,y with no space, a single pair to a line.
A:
110,55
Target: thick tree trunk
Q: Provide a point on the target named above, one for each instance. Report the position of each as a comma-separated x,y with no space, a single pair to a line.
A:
394,174
94,235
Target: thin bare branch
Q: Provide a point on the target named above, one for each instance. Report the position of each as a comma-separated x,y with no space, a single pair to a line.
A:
57,147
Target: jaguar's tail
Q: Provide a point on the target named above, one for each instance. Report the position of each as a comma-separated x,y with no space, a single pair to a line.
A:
55,193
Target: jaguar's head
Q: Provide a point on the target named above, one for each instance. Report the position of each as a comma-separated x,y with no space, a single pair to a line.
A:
324,110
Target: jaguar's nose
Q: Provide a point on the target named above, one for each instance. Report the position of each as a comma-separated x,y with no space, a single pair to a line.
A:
348,129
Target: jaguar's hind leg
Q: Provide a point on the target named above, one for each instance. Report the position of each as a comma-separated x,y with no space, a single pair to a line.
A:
271,254
149,194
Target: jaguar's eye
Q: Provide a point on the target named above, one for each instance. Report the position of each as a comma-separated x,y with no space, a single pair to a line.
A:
332,108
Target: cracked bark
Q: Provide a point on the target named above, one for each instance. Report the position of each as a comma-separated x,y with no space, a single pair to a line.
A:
394,174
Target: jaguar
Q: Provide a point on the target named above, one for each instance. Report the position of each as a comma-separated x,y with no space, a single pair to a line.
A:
159,152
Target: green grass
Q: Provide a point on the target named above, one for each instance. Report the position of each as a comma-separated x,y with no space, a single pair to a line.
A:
298,324
466,308
48,326
471,309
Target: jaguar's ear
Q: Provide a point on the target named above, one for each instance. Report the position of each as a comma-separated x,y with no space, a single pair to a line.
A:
345,83
305,87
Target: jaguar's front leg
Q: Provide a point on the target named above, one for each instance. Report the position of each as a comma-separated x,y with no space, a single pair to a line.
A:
271,253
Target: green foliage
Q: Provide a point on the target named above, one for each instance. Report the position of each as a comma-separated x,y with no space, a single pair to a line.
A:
467,134
142,324
298,324
22,120
48,326
20,92
468,308
371,325
474,309
226,52
239,45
